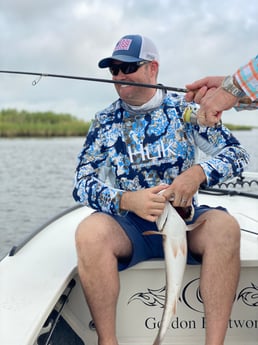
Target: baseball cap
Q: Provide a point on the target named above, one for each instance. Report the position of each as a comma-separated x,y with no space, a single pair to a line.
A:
132,48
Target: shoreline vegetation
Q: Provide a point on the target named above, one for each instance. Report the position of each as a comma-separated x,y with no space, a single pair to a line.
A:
14,123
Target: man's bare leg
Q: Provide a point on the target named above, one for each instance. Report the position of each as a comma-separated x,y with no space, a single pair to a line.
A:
218,240
100,241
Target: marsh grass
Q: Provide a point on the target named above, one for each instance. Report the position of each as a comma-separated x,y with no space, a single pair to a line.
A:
15,123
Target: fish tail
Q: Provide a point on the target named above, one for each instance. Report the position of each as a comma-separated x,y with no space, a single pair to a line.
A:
166,317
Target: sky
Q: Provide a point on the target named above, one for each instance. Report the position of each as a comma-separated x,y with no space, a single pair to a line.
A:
195,38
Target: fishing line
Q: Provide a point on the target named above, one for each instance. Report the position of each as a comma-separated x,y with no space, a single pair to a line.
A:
101,80
251,218
244,215
249,231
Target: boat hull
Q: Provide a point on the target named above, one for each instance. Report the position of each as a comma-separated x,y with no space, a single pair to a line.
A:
141,304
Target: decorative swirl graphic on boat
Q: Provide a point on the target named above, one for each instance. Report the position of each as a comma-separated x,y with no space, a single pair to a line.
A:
191,296
151,298
249,295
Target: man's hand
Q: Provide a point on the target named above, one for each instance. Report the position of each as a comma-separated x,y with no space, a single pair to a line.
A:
198,89
213,99
149,204
146,203
184,186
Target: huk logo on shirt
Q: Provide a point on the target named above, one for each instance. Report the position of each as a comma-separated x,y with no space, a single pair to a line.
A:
150,151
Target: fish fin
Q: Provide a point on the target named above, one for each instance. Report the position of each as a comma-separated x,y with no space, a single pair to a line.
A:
174,308
195,225
175,249
179,248
152,232
184,248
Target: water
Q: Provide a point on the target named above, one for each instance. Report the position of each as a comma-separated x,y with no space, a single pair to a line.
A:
36,184
37,180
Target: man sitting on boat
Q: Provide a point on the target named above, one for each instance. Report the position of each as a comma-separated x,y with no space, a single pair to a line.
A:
136,148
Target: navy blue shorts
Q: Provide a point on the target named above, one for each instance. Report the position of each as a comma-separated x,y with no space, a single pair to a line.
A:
150,247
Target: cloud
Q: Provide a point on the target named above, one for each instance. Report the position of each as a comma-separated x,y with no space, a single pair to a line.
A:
195,38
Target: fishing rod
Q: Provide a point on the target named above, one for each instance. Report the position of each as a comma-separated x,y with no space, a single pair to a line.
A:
121,82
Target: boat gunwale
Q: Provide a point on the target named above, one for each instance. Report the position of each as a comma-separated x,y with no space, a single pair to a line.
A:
16,248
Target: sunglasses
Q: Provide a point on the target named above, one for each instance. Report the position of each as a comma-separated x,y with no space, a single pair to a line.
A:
126,67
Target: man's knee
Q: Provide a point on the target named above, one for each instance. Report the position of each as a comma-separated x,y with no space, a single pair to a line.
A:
226,234
220,230
227,229
81,235
90,231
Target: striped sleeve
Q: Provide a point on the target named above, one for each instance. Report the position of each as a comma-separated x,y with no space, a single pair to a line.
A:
247,77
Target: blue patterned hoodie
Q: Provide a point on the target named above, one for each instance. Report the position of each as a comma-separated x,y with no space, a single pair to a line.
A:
128,151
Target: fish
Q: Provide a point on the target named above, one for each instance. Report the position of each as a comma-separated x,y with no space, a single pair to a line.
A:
173,229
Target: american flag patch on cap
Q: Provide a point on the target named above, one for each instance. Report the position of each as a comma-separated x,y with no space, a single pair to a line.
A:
123,44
